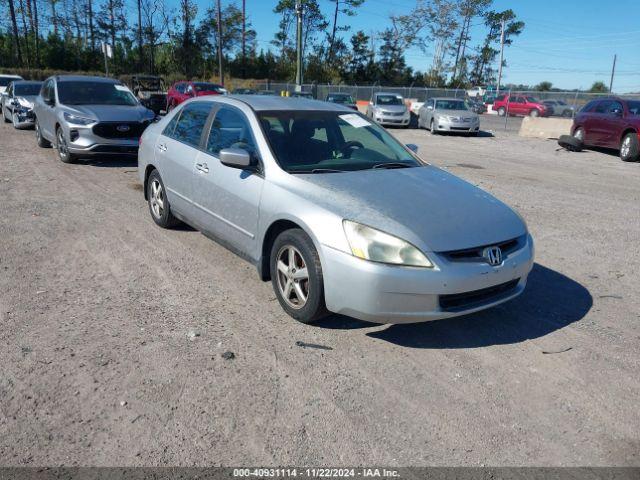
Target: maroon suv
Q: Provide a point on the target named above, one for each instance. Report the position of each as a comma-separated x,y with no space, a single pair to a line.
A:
610,123
517,104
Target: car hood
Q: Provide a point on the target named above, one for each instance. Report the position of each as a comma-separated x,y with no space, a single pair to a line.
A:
456,113
391,108
112,113
426,206
27,100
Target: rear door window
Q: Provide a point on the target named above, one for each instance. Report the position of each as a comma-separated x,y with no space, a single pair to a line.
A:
190,124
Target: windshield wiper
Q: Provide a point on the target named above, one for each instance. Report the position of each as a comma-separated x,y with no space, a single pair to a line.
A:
326,170
392,165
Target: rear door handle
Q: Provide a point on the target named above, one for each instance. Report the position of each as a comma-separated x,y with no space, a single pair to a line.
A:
162,147
203,167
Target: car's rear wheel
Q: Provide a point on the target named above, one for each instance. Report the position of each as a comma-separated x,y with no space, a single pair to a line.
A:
42,142
534,113
158,203
502,111
296,275
630,148
63,148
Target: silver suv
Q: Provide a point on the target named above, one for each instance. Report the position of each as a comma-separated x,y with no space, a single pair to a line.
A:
86,116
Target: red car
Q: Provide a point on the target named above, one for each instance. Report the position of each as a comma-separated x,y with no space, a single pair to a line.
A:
181,91
517,104
610,123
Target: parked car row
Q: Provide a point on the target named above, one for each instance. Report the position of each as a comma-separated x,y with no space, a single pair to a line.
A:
320,198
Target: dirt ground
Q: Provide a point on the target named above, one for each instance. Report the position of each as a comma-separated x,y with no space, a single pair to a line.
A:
112,332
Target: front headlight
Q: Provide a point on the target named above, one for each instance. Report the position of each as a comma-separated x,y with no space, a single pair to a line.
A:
371,244
77,120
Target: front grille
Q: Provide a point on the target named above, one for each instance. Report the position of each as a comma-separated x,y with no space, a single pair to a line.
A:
463,301
475,254
115,129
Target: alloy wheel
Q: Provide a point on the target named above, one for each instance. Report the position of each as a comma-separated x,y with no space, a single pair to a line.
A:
156,198
63,150
625,148
293,277
579,134
14,118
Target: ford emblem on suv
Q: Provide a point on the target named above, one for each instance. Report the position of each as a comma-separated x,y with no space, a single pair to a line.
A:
123,128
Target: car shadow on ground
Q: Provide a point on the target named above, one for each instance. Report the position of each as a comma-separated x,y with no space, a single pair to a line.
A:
110,161
550,302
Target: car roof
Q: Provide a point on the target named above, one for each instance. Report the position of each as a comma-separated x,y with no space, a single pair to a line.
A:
340,93
5,75
447,98
268,103
28,82
85,78
388,93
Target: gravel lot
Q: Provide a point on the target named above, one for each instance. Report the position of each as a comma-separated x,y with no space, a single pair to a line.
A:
97,304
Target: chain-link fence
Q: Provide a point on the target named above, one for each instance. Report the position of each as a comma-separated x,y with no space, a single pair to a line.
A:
420,94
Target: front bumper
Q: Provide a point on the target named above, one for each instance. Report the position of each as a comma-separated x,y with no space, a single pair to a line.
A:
393,120
82,141
394,294
463,127
25,117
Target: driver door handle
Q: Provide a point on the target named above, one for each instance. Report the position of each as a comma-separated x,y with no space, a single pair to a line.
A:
162,147
203,167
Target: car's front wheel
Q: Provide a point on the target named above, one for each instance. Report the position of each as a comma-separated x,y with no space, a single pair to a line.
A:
63,148
534,113
4,115
158,203
432,127
579,134
630,148
296,275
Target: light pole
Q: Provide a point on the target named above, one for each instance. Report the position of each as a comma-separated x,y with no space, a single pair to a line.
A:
220,71
299,47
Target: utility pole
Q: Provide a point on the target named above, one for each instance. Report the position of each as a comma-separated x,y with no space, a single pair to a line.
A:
220,71
613,71
501,57
244,39
299,47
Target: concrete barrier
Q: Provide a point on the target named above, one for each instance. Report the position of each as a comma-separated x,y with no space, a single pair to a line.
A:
544,127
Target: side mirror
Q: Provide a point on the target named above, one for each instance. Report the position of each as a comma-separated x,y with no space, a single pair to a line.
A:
236,158
413,147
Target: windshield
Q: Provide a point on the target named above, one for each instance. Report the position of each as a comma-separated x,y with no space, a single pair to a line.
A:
320,141
206,87
94,93
340,99
4,81
389,100
27,89
450,105
634,107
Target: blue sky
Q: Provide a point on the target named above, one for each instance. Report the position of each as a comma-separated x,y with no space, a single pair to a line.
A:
570,43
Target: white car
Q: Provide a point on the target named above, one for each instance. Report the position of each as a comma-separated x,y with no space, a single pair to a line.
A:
476,92
5,80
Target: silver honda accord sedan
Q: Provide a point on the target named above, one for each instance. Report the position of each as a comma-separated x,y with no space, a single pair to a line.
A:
338,214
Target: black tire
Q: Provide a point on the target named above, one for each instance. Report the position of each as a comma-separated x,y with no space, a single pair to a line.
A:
630,153
42,142
160,212
313,307
570,143
63,149
502,111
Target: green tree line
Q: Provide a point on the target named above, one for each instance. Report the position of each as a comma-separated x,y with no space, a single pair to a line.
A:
460,40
